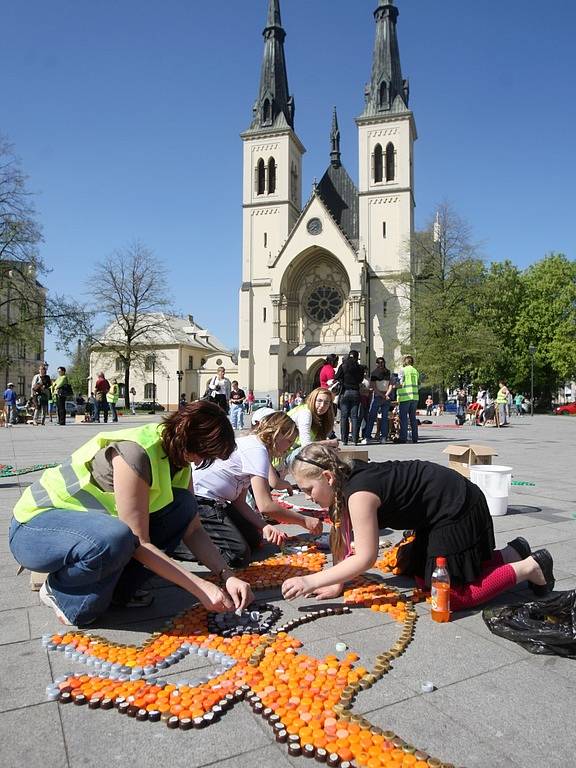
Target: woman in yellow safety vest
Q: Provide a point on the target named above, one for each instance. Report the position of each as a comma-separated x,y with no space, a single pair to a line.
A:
119,506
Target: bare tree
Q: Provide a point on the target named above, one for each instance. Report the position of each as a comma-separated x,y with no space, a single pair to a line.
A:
130,294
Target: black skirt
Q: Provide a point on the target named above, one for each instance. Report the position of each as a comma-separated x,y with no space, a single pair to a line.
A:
467,542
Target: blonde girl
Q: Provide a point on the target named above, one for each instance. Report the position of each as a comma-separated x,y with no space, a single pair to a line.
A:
221,488
448,513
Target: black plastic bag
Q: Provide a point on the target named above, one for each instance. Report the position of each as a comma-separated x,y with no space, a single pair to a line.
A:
541,626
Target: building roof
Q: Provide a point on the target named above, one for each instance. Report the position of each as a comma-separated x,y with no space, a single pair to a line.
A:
168,330
337,190
387,90
274,107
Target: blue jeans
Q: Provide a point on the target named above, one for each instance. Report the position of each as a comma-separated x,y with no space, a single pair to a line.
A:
101,405
349,403
237,416
113,411
379,405
408,411
89,554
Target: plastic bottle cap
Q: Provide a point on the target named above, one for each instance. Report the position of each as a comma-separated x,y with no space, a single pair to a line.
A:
427,687
441,561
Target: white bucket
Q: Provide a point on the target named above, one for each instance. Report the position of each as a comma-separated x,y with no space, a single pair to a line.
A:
494,481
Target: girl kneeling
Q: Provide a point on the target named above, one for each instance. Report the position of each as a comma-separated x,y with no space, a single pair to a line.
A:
448,513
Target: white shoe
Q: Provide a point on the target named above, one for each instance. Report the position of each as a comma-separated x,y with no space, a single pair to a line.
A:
364,442
48,599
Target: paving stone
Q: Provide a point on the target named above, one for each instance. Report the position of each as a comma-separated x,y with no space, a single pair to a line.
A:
14,626
32,738
24,675
260,758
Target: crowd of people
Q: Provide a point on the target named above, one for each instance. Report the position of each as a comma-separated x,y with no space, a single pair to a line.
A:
142,499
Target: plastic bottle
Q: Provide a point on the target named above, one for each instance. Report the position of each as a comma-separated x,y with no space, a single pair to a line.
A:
440,592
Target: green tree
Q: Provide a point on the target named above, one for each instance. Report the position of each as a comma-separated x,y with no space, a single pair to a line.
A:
547,320
448,337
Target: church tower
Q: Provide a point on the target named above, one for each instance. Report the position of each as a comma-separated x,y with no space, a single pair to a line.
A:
386,135
271,201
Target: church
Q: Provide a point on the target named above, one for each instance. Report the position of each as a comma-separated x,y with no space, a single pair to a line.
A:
321,277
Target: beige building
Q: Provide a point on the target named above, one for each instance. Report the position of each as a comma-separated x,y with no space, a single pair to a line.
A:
322,277
22,348
177,344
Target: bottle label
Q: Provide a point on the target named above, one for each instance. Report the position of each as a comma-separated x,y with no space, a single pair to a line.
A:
440,594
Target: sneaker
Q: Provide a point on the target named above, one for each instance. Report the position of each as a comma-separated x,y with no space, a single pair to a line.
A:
48,599
365,441
142,598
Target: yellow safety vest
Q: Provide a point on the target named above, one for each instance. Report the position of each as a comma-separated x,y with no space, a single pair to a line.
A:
70,485
409,388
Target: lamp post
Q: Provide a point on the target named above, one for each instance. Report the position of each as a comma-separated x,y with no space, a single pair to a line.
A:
167,391
180,375
154,384
532,350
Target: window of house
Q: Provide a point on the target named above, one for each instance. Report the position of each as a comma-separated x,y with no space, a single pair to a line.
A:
260,177
271,176
21,387
190,362
384,229
149,362
264,314
266,112
390,162
21,350
377,163
383,95
149,391
265,239
119,365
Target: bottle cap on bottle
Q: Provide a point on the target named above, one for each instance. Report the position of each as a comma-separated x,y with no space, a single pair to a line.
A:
441,562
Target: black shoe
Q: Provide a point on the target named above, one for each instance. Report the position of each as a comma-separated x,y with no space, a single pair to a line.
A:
546,563
521,546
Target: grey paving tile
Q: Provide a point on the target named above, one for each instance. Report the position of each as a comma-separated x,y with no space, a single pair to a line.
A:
524,713
32,738
24,674
419,722
97,738
14,626
16,593
267,757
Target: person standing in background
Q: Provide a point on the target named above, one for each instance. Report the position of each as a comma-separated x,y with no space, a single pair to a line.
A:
112,398
220,387
408,399
237,396
61,389
10,413
39,391
101,389
381,389
328,371
133,401
350,375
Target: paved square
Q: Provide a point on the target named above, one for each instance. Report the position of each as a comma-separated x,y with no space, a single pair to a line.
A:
493,704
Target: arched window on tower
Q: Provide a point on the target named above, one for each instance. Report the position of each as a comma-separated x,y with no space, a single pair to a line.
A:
260,177
266,112
383,95
271,176
390,162
377,163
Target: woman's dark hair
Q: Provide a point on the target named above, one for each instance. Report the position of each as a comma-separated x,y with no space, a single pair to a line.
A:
332,360
200,427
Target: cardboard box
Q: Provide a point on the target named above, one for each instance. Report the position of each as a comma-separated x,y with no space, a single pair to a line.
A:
346,453
462,457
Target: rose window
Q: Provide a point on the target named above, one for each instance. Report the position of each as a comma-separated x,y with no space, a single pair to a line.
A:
324,303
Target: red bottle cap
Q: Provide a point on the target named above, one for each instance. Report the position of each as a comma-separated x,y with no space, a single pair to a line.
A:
441,562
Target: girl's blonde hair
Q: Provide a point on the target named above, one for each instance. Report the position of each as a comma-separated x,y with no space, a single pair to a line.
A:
322,426
310,462
273,427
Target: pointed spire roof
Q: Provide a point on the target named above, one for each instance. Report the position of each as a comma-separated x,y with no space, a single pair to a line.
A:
387,90
337,190
274,107
335,141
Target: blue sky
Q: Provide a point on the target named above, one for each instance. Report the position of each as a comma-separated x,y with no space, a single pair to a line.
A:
127,113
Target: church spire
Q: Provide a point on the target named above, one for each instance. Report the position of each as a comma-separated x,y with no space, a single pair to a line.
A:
387,90
274,107
335,142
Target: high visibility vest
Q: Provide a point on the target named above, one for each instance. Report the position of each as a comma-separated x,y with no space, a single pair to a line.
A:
70,485
409,389
113,395
501,397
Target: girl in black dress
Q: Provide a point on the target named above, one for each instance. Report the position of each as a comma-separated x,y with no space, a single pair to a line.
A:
448,513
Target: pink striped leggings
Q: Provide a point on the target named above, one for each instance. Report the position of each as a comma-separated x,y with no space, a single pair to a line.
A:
496,577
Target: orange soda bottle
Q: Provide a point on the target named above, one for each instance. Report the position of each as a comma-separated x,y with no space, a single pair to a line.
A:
440,592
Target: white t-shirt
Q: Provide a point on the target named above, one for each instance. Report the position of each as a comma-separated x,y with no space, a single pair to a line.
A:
225,480
303,419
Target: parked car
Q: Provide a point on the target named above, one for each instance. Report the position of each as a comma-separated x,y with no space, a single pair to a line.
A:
146,405
568,409
259,402
71,408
